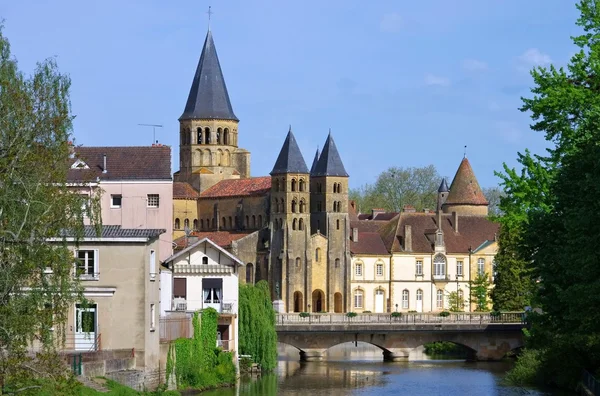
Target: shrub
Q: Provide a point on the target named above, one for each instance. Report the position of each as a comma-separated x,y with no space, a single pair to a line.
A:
495,314
304,314
527,369
444,314
412,311
367,312
396,314
351,314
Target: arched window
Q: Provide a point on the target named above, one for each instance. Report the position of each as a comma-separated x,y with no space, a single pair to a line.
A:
337,263
405,299
247,221
293,184
230,223
294,204
177,224
334,187
294,222
214,223
201,224
249,273
199,137
207,133
260,221
186,223
195,224
337,224
253,221
207,224
439,299
302,206
205,260
276,185
218,135
439,267
317,254
339,187
301,224
302,185
297,262
358,299
223,223
226,136
334,206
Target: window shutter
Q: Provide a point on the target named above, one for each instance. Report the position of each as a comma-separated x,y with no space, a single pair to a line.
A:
180,287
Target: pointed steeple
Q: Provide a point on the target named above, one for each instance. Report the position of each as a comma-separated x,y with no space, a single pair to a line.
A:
443,186
465,189
314,164
290,159
208,98
330,162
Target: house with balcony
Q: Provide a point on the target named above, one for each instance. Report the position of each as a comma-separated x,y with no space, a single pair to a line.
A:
204,275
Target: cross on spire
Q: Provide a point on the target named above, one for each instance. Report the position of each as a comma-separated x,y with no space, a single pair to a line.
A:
465,156
209,14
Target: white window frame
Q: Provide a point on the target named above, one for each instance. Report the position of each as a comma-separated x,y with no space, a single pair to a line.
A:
439,267
359,296
358,269
96,273
151,200
419,267
459,267
480,266
152,264
379,269
405,298
112,204
439,299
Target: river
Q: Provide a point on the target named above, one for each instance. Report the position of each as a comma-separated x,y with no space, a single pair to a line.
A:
360,370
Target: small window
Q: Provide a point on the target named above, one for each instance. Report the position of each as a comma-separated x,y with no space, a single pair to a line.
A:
186,224
379,269
177,224
152,264
337,263
480,266
294,222
153,200
301,225
337,224
358,269
439,302
293,184
201,224
317,254
298,262
195,224
301,185
419,267
87,265
405,295
115,201
358,299
459,268
152,316
205,260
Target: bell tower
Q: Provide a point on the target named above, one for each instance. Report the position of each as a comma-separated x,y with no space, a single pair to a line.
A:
208,128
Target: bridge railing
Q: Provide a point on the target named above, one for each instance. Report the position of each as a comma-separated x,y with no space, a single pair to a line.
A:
405,318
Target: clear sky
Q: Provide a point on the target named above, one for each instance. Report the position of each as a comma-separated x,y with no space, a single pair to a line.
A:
400,83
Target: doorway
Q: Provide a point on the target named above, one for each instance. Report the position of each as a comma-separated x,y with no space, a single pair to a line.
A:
318,301
337,302
298,302
86,324
419,300
379,299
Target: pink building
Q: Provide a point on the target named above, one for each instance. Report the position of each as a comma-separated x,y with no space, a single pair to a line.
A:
135,183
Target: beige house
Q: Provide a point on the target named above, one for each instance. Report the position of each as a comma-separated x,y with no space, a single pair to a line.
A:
119,272
413,261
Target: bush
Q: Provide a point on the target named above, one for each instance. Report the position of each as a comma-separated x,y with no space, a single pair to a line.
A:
444,314
351,314
396,314
304,314
412,311
367,312
495,314
527,369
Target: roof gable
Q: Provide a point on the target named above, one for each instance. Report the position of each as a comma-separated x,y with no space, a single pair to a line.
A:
195,246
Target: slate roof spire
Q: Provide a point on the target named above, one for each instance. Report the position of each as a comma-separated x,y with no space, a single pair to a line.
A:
443,186
290,159
465,189
208,96
314,164
330,162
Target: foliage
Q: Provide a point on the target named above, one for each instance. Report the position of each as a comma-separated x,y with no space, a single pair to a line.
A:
444,314
257,334
396,314
367,312
480,292
304,314
351,314
456,302
397,187
444,348
116,389
527,369
198,363
36,203
265,385
493,195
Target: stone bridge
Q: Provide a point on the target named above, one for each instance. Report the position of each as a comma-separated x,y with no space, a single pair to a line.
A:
487,337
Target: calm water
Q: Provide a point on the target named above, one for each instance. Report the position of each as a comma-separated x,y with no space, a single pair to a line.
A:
360,370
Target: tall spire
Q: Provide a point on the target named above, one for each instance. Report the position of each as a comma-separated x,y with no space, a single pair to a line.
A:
465,189
290,159
314,164
443,186
208,98
330,162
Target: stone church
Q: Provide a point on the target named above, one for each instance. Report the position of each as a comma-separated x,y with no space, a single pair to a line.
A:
290,228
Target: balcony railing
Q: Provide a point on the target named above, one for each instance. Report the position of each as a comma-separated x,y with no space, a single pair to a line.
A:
226,345
225,306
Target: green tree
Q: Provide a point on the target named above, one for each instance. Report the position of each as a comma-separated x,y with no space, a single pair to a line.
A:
480,292
397,187
456,302
257,336
35,204
493,195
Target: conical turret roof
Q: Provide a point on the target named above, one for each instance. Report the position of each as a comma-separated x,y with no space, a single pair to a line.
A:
314,164
330,162
290,159
443,186
208,96
465,189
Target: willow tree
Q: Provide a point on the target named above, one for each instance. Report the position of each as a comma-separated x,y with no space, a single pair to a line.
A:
36,282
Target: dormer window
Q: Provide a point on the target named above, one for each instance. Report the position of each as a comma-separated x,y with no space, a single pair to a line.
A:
79,164
205,260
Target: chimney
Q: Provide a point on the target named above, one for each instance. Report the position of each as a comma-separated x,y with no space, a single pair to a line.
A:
408,209
104,168
426,210
355,234
455,221
407,238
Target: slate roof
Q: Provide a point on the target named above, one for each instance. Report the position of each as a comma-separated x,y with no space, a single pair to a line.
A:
182,190
220,238
314,164
115,231
254,186
368,243
465,189
443,186
122,163
290,159
208,96
330,162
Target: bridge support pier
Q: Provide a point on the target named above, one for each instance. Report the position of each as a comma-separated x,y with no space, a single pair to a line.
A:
396,355
311,355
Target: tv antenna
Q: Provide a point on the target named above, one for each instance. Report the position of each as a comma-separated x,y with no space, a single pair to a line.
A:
154,126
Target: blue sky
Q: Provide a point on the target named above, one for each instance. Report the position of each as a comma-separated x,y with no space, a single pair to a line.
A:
400,83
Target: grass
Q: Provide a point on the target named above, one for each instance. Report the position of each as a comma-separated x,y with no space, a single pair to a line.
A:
117,389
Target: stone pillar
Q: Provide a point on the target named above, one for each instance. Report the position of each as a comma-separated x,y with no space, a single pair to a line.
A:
311,355
396,355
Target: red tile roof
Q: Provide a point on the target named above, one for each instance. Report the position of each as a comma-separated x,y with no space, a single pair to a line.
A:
221,238
254,186
183,190
465,189
122,163
368,243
